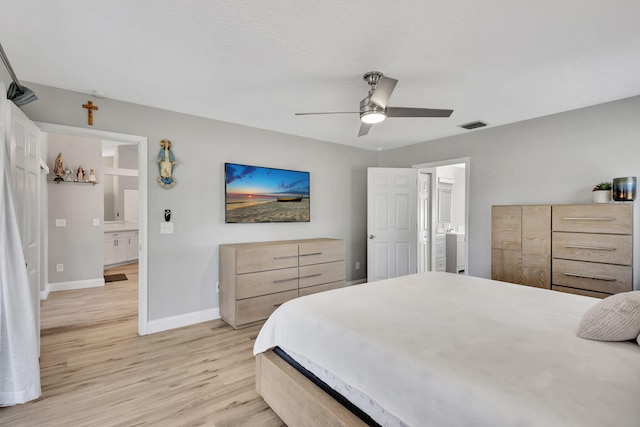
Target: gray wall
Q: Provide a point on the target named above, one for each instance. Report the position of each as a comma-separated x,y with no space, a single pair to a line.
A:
553,159
183,267
79,245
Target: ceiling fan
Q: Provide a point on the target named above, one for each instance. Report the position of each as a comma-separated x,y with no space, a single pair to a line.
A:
374,109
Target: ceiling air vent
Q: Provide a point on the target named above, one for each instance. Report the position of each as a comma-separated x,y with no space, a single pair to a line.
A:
473,125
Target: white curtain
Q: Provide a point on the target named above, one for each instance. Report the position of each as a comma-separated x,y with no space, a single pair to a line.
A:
19,365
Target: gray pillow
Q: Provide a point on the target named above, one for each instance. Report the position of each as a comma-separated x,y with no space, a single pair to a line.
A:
615,318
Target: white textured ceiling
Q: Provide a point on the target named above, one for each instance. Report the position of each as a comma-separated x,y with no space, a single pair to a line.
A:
256,63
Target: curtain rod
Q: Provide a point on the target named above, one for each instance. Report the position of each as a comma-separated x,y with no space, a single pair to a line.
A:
8,65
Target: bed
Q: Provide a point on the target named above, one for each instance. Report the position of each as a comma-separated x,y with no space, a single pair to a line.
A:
436,349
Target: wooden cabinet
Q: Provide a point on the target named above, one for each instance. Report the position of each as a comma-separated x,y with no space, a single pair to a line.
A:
592,249
256,278
455,253
521,244
580,249
120,247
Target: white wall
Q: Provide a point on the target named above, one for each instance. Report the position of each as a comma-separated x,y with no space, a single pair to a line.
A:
553,159
183,267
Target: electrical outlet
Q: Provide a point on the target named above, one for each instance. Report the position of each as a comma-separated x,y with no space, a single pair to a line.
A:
96,221
218,287
61,222
357,265
59,267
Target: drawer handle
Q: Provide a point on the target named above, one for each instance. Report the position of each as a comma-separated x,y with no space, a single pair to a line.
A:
589,219
285,257
285,280
315,253
583,276
595,248
311,275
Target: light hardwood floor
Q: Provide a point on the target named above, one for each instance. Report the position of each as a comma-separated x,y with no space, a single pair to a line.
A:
96,370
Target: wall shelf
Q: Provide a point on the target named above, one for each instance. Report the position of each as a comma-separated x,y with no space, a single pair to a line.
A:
59,180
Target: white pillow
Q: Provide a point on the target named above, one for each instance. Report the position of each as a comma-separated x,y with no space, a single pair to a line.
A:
615,318
638,339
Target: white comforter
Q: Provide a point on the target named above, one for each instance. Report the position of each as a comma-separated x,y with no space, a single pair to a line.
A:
439,349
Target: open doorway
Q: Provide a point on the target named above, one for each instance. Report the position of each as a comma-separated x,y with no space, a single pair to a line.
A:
138,144
443,200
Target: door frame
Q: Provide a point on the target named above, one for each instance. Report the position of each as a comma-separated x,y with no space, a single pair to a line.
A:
143,183
467,182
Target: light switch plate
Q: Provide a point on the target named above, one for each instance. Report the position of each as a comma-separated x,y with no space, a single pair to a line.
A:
96,221
166,228
61,222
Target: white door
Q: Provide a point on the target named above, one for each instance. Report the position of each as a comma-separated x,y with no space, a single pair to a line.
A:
424,221
24,158
391,222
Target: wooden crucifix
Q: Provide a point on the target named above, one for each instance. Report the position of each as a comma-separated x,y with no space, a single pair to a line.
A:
90,107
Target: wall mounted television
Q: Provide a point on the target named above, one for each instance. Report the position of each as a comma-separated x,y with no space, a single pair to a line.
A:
262,194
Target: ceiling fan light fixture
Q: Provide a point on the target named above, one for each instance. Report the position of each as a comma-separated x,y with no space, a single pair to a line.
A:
372,117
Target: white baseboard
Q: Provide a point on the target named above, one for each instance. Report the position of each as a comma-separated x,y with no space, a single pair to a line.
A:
77,284
181,320
45,294
356,282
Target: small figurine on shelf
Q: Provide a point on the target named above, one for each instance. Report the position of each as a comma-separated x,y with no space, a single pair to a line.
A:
80,174
92,176
68,174
58,169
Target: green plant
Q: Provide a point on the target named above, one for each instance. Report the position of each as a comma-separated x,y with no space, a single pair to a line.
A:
602,186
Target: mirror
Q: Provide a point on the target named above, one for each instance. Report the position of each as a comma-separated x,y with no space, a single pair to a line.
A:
444,205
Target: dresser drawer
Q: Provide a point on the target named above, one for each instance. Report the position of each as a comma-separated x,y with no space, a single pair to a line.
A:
259,308
317,274
321,288
596,218
607,248
321,251
266,282
592,276
579,292
261,258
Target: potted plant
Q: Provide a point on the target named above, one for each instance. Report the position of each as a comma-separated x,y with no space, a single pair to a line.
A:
602,193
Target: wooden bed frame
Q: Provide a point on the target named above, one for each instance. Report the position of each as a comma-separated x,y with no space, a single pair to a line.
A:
295,399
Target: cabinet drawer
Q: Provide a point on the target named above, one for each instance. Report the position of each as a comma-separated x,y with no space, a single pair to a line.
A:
261,258
322,251
596,218
259,308
441,264
579,292
266,282
607,248
317,274
321,288
441,251
606,278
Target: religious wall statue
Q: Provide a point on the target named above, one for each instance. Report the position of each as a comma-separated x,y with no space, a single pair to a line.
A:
166,163
92,175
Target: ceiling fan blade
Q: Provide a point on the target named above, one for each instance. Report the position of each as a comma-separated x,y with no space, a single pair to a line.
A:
364,128
333,112
417,112
382,92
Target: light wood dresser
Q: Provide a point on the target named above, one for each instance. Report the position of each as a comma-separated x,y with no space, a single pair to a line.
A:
256,278
592,249
580,249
